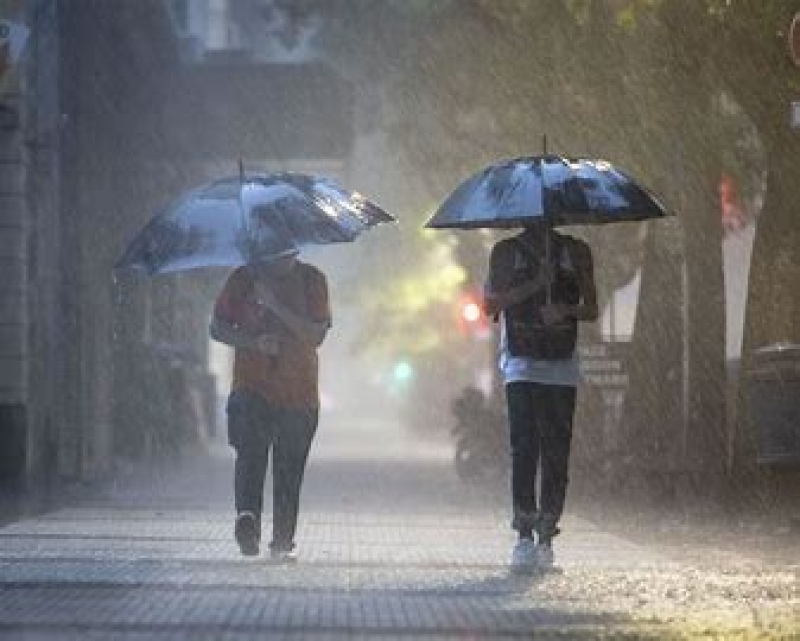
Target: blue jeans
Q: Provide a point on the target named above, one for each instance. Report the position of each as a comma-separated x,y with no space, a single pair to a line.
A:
540,427
255,427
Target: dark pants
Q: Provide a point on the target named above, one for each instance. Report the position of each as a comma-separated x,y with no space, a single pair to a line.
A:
255,427
540,426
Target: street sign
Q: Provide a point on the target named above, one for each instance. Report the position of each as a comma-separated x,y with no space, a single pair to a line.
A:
794,115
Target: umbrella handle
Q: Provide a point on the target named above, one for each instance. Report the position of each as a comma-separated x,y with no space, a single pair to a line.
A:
547,252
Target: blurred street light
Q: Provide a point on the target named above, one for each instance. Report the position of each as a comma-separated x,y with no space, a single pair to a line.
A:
471,320
402,372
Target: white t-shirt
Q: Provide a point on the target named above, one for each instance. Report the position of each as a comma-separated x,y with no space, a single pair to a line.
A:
516,369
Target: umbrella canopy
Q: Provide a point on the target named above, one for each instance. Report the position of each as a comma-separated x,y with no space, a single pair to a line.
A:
547,188
240,220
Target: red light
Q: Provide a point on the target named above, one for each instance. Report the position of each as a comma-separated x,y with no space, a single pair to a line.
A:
470,319
471,312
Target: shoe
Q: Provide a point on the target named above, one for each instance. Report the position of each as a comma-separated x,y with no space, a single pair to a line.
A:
247,533
282,557
523,556
544,556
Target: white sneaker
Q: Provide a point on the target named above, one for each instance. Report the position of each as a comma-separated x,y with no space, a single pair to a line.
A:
523,556
544,556
282,557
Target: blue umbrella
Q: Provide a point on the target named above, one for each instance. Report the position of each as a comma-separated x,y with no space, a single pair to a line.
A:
241,220
546,189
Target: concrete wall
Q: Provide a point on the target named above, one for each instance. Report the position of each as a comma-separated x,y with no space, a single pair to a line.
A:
14,229
29,253
102,138
14,312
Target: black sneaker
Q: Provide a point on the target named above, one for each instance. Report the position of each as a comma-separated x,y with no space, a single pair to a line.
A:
246,531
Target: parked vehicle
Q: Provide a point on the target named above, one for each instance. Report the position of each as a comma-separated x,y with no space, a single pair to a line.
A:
481,438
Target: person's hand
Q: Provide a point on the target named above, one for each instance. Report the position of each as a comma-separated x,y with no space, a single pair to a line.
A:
553,313
268,343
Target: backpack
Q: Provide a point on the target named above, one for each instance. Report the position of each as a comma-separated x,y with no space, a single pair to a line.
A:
526,334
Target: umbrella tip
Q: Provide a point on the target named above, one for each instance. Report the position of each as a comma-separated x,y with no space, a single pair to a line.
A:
241,169
544,144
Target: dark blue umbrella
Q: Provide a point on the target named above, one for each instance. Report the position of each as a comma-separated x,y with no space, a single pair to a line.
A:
241,220
546,189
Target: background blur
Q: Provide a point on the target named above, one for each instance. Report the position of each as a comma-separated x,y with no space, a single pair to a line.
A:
112,108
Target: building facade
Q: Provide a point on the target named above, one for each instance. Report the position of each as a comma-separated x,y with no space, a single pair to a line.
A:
119,107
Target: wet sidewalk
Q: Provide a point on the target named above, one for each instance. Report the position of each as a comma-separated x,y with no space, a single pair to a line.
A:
391,545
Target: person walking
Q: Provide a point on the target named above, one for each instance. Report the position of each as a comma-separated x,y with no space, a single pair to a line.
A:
540,285
275,315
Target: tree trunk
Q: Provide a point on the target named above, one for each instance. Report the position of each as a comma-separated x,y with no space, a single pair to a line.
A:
676,401
773,308
652,420
707,440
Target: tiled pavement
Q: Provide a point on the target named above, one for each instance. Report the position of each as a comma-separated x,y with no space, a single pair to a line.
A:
391,545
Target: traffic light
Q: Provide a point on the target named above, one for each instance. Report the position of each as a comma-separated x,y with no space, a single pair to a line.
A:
472,322
400,377
471,311
402,372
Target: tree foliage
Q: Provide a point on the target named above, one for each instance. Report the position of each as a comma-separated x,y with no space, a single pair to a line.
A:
676,91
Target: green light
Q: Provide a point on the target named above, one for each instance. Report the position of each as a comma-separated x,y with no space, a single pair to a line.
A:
402,372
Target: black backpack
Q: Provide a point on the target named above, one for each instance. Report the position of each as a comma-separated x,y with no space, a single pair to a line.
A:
526,334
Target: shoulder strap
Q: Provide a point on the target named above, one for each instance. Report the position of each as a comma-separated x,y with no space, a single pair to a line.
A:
533,259
575,248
